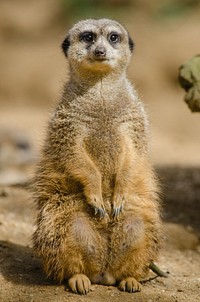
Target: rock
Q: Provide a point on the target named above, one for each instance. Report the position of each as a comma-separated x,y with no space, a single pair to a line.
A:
16,156
189,78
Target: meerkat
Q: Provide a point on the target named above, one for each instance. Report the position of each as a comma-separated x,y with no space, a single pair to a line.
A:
96,192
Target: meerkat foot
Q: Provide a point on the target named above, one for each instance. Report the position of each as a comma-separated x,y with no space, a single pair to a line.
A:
130,285
79,284
118,204
97,203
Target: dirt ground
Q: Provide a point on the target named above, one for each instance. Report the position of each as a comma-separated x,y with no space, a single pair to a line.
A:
32,72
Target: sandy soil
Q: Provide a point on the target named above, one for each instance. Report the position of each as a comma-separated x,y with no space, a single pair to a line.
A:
32,71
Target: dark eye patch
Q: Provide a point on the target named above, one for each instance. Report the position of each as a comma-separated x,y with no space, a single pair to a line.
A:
87,36
131,43
65,45
114,38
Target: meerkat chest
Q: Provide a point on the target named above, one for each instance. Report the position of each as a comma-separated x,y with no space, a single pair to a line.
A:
103,136
102,122
104,144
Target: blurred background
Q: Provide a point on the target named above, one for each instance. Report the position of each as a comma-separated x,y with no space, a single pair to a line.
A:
33,68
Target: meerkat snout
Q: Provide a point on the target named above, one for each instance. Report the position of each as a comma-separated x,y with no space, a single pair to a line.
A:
100,52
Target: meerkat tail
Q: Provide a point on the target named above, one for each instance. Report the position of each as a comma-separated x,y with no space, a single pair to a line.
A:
157,270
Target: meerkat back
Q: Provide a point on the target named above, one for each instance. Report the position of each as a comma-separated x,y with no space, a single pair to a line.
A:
96,193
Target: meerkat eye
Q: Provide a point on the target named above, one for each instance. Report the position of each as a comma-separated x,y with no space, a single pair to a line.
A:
87,37
114,37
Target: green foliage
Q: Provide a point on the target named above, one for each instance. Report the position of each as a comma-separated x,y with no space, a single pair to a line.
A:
77,9
72,10
189,78
175,8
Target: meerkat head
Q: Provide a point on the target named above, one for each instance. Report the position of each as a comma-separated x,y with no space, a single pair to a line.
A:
98,46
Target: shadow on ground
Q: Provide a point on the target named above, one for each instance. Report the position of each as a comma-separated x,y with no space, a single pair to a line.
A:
20,266
181,195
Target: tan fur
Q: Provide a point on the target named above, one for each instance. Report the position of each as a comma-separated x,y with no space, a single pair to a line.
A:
96,194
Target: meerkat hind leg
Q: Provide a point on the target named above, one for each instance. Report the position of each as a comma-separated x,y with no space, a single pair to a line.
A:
130,284
91,248
79,284
128,252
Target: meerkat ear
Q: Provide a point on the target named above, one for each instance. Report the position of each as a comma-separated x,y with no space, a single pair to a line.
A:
131,43
65,45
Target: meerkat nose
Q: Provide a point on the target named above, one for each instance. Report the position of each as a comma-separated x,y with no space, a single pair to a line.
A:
100,52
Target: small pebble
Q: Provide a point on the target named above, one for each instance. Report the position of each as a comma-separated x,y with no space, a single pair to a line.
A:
92,289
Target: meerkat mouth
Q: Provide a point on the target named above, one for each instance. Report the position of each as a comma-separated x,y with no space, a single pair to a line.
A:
99,60
98,64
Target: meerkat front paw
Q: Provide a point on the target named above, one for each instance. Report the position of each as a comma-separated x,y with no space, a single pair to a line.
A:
118,204
79,284
130,285
96,201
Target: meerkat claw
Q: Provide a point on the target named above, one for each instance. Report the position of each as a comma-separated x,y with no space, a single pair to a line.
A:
96,211
100,211
118,205
117,211
97,203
